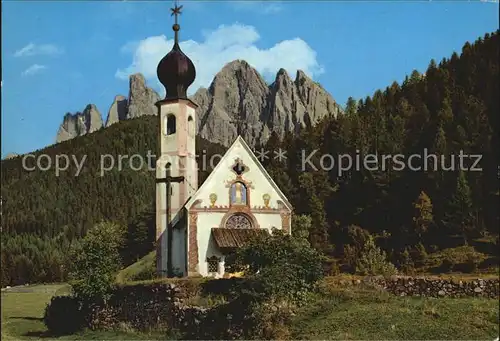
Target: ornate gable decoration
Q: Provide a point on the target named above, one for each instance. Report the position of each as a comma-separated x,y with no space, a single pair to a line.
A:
239,168
239,188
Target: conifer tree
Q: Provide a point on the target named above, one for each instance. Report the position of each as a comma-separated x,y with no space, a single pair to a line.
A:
351,106
459,214
423,217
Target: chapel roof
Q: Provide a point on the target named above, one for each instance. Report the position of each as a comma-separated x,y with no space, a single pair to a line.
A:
235,238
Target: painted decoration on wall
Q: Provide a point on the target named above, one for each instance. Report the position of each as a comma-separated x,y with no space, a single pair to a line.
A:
266,197
213,199
239,167
238,221
238,194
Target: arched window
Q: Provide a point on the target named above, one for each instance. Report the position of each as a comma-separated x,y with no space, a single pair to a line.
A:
170,125
191,126
238,194
238,221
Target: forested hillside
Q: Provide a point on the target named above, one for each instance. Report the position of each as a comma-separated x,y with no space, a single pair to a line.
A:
453,107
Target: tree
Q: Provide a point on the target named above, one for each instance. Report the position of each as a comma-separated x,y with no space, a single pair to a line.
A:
445,114
459,214
96,260
351,106
301,225
373,261
314,190
423,217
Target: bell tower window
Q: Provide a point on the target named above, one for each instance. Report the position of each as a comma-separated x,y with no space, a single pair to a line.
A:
191,126
170,125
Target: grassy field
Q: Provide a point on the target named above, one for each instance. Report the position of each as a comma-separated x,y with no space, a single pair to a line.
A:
336,313
359,314
142,269
22,317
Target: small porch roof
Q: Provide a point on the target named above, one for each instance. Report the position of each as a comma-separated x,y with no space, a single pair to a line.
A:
233,238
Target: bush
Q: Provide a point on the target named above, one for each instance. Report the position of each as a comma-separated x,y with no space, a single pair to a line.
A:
330,267
406,263
446,266
419,255
350,257
373,261
96,260
271,321
278,265
63,315
146,273
460,259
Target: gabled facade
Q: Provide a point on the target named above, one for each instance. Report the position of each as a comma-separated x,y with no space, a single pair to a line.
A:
238,200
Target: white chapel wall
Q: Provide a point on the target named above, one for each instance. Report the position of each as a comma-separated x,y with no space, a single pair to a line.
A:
206,244
268,221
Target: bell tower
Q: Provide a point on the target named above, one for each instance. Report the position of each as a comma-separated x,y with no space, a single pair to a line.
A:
176,161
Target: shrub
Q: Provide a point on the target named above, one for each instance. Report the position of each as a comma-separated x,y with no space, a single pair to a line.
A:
446,266
96,260
471,264
406,263
63,315
460,259
357,236
330,267
419,254
280,270
276,262
146,273
350,258
373,261
271,321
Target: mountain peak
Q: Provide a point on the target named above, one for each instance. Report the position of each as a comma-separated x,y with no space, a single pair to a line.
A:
238,91
237,64
80,123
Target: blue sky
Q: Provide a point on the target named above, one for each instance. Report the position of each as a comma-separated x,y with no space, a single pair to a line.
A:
59,56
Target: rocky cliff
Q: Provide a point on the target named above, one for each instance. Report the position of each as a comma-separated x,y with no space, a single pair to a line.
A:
238,93
80,123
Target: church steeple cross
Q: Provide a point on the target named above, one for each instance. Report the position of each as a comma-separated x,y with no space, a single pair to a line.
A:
176,11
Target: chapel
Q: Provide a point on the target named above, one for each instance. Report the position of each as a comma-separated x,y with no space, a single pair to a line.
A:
237,201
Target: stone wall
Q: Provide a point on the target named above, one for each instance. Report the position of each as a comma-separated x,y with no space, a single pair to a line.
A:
431,287
163,306
140,307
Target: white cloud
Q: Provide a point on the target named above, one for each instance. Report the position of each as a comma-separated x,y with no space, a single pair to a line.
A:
221,46
33,69
42,49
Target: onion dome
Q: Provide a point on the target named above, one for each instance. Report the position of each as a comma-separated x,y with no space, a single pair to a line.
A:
176,71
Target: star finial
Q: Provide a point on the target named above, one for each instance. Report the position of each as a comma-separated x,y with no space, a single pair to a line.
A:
176,11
